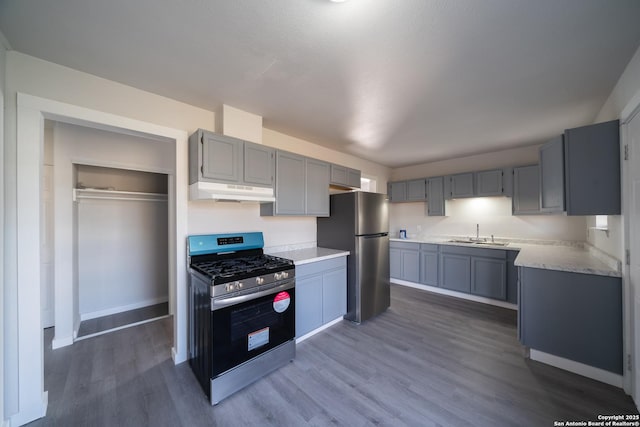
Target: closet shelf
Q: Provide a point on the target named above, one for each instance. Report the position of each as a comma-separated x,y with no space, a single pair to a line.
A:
90,193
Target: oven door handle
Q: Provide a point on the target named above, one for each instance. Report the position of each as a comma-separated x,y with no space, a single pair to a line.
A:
217,304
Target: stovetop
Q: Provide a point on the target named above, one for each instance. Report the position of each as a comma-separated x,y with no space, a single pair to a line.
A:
241,267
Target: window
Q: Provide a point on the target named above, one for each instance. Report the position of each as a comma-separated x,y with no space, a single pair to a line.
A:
368,183
602,222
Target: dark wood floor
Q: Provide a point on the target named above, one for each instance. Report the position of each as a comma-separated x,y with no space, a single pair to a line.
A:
430,360
105,323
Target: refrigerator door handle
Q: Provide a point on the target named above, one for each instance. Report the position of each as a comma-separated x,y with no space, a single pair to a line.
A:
374,236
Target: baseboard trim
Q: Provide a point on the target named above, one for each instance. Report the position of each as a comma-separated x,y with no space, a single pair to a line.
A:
34,412
61,342
120,309
128,325
577,368
460,295
317,330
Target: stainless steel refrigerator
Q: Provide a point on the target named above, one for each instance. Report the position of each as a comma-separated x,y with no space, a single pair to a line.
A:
359,223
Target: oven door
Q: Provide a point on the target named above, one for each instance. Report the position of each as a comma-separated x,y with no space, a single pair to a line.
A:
248,325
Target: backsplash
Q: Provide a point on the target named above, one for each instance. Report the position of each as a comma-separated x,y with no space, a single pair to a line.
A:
493,214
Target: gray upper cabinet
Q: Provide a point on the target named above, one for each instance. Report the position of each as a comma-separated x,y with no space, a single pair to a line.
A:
290,184
302,186
552,176
435,196
221,157
592,169
489,183
397,191
345,177
224,159
462,185
416,190
526,190
353,178
317,188
259,164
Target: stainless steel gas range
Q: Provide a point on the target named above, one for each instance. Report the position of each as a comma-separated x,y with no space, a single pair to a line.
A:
241,311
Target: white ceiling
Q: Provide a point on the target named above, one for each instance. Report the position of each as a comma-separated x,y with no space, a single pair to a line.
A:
396,82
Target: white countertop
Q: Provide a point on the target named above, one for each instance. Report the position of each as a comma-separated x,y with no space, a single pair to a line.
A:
308,255
552,255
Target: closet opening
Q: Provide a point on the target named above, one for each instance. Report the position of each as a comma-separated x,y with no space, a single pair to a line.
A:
121,229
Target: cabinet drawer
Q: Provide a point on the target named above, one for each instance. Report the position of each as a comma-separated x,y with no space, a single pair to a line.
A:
431,247
474,251
405,245
320,266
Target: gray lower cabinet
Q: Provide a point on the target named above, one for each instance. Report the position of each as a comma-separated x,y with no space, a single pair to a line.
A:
526,190
484,272
321,293
489,276
404,258
489,183
552,175
455,271
478,271
435,196
512,277
429,264
302,187
572,315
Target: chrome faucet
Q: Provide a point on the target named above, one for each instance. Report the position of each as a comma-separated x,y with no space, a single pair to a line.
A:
477,231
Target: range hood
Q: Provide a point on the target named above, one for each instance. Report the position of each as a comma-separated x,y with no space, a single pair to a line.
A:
230,192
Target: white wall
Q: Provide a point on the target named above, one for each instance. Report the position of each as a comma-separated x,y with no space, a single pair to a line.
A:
521,156
79,145
2,279
627,87
492,213
40,78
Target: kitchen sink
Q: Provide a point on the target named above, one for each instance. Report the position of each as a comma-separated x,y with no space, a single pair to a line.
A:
478,242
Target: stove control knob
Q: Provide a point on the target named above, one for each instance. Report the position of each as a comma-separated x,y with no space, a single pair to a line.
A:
277,276
285,274
238,285
259,280
228,287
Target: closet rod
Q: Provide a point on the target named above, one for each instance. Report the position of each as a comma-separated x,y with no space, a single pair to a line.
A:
86,193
